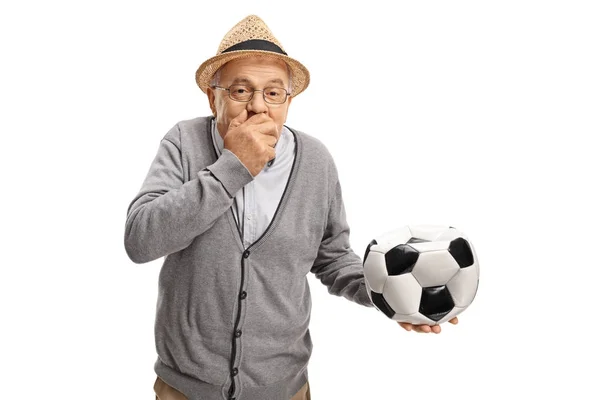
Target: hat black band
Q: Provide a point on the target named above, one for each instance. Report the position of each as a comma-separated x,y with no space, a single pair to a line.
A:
256,44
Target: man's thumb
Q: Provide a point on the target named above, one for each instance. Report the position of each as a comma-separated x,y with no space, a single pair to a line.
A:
239,119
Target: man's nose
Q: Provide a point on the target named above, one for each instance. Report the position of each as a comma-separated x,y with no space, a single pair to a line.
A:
257,105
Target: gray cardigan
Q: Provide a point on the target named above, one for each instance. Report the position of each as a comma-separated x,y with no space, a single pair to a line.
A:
233,322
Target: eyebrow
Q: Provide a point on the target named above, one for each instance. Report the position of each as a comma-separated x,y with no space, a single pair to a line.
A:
246,81
240,80
279,81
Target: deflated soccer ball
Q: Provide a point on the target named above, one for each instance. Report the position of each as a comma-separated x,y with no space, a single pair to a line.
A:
421,274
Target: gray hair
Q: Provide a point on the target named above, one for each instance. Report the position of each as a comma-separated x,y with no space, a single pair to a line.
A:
214,81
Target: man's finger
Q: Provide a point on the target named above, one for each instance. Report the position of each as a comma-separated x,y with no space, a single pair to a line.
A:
454,321
268,128
268,140
406,326
271,153
425,328
436,329
239,119
259,118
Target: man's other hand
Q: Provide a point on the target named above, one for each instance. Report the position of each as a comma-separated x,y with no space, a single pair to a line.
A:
425,328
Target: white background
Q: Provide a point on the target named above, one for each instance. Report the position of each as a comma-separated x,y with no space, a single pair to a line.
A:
481,115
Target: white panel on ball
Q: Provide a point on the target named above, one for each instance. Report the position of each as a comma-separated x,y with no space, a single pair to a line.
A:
415,319
463,286
430,246
403,293
435,268
391,239
427,232
374,269
475,258
450,234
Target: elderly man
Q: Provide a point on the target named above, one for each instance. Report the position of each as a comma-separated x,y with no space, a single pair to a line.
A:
243,208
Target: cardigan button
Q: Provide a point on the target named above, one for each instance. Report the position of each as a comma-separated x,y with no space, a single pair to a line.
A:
243,295
246,254
234,372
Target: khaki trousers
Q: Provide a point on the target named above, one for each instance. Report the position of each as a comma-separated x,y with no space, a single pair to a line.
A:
165,392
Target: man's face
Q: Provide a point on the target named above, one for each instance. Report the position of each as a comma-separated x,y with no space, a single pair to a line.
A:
257,73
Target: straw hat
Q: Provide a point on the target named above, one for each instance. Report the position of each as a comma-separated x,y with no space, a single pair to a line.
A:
251,37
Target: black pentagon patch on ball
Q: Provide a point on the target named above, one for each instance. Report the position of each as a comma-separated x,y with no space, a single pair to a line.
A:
381,304
369,249
436,302
417,240
400,260
461,251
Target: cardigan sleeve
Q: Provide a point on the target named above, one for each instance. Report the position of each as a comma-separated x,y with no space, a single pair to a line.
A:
168,213
337,266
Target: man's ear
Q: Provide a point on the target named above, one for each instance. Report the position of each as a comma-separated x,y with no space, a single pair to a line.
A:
210,93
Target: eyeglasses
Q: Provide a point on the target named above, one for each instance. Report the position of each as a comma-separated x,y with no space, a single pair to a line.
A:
243,93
